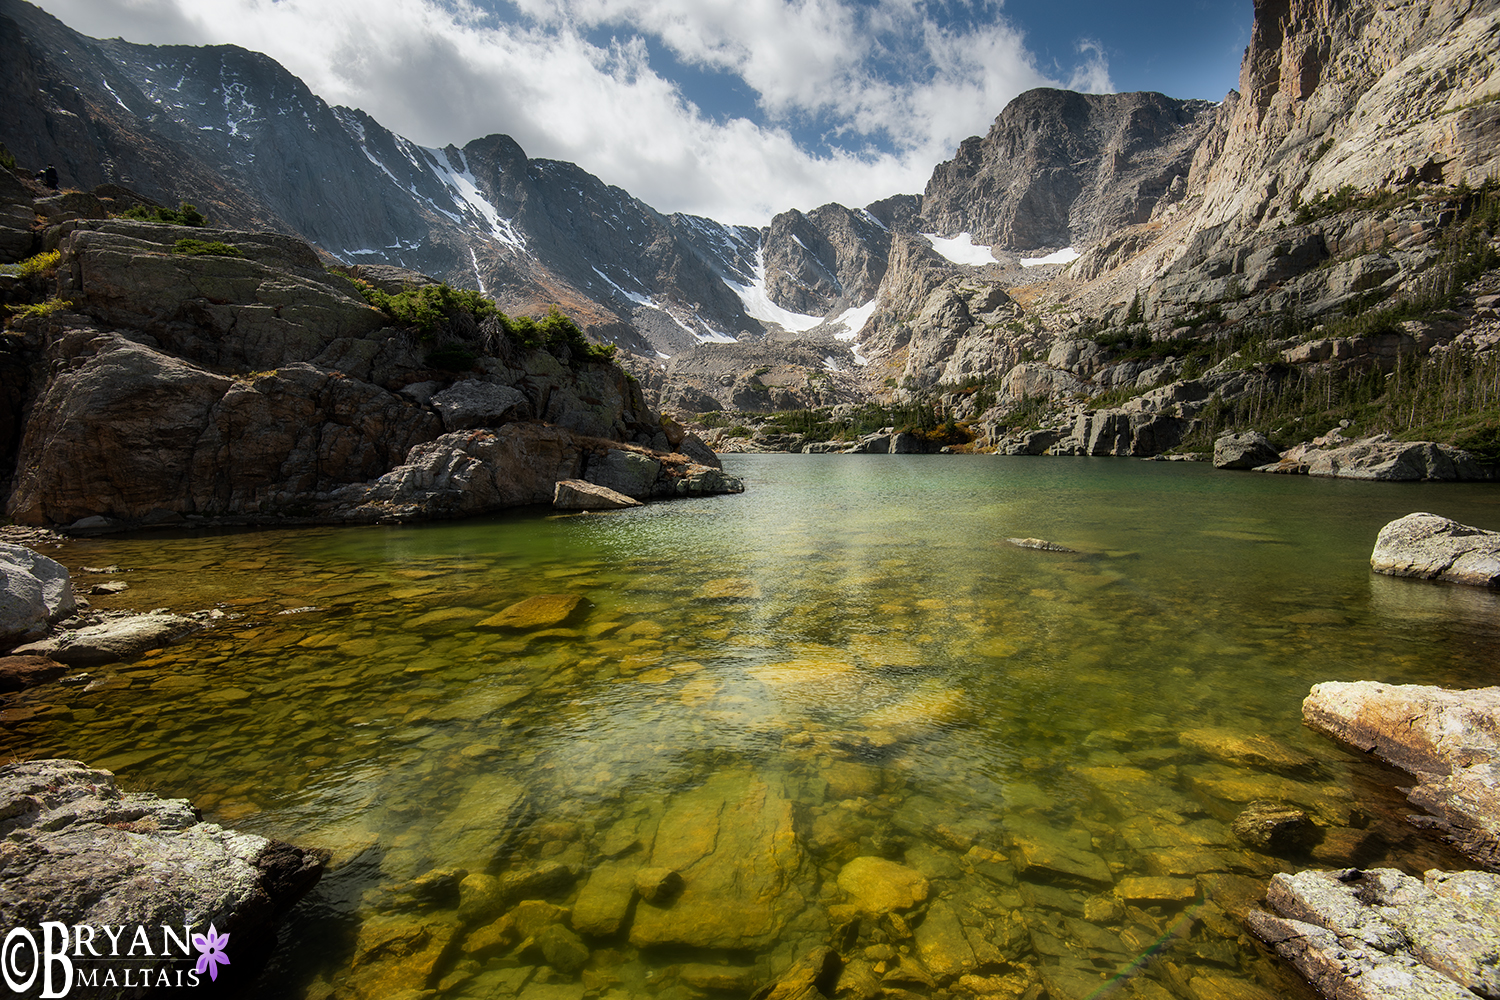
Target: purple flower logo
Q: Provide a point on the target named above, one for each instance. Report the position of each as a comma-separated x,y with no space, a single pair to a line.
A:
211,952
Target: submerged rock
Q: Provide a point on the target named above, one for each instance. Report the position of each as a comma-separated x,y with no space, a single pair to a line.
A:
542,611
1272,827
733,841
1447,739
1430,547
80,850
876,886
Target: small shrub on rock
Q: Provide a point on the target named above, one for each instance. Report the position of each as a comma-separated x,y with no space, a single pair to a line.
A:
206,248
40,309
43,264
185,215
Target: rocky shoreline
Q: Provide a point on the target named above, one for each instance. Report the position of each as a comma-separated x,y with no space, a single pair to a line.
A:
162,384
1381,934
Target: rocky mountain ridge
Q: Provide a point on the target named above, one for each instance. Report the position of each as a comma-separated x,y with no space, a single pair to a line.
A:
1328,187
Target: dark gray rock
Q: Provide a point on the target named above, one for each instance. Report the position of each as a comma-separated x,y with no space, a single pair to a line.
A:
629,472
1244,451
468,404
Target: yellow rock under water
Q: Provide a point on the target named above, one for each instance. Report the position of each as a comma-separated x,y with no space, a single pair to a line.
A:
542,611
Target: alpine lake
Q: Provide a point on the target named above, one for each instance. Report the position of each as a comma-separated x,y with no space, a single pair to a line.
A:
838,710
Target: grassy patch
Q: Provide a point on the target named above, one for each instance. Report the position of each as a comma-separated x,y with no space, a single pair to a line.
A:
435,311
42,265
206,248
39,309
185,215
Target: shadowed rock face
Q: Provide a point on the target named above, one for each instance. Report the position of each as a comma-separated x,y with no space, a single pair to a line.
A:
263,387
1059,168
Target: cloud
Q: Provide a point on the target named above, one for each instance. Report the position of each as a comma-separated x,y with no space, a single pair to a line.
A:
893,85
1091,76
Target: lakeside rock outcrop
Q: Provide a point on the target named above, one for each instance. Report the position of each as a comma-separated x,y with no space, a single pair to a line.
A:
1381,934
82,851
249,384
1384,935
1448,740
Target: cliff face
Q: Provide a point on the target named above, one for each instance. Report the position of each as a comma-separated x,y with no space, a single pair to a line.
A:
1059,168
197,374
1362,94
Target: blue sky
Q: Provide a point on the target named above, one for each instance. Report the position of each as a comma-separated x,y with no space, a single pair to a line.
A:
734,109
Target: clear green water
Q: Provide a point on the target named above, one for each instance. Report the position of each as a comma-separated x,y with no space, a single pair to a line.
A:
846,661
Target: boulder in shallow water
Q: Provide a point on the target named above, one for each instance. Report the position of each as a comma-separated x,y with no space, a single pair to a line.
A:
117,638
542,611
1431,547
1244,451
1448,740
34,591
579,494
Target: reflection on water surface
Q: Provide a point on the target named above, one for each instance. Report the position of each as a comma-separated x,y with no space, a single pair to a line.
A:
839,710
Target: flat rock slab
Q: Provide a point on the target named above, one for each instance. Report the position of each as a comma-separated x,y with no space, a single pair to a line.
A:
1381,933
1448,740
115,639
80,850
1430,547
579,494
542,611
733,841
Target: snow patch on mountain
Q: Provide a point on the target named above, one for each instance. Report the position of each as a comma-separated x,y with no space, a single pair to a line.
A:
757,301
468,199
961,249
854,320
1066,255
